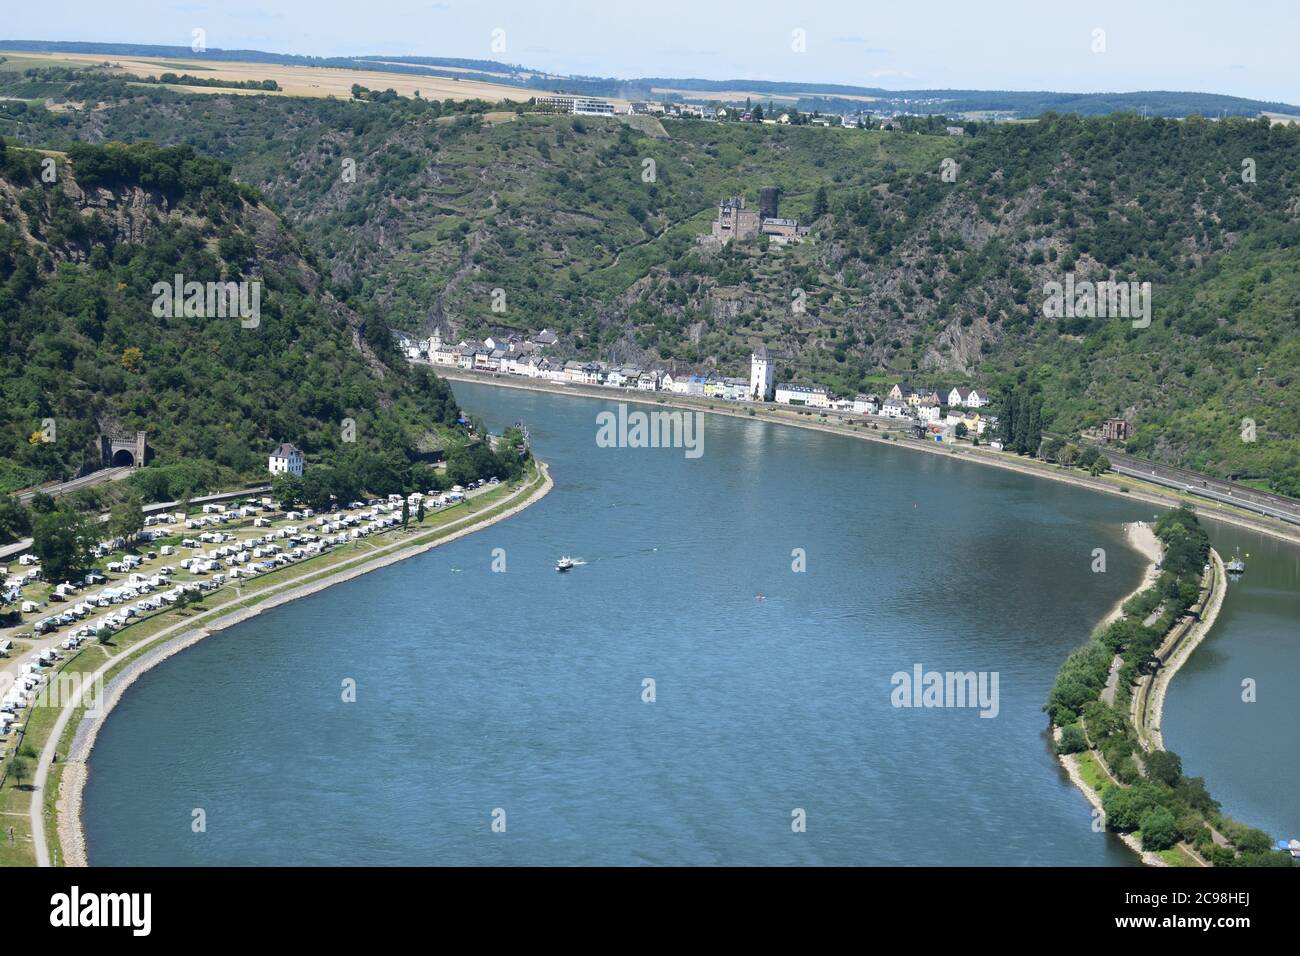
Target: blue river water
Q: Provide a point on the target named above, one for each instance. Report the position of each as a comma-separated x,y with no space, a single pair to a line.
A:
518,696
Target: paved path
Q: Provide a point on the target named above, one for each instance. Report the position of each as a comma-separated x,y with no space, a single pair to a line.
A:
1112,681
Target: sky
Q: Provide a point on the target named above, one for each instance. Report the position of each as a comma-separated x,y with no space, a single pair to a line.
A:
1245,47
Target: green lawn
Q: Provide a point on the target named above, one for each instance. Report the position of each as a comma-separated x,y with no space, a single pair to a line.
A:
1092,773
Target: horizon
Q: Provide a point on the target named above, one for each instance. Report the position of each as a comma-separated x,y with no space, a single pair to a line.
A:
1160,48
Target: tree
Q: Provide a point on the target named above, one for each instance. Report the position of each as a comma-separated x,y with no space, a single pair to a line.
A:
1159,829
820,203
1125,806
1253,841
1007,423
1033,437
1164,766
15,522
19,770
1100,465
419,512
406,512
287,489
62,540
126,519
323,485
1072,740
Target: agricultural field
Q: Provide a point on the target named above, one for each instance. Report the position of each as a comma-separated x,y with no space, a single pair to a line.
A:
293,80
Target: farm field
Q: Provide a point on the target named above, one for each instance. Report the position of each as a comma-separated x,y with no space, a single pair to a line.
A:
293,80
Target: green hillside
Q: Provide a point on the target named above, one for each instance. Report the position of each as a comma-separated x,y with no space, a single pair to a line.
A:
84,344
906,275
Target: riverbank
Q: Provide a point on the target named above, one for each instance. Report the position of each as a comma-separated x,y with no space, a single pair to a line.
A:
1070,763
1141,537
1131,488
1087,768
158,647
1183,650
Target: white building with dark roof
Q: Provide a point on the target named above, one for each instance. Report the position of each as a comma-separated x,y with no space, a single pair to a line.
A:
285,460
813,396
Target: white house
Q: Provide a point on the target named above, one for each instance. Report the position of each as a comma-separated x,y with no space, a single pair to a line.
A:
285,460
927,413
761,387
895,408
865,404
734,389
574,372
445,355
814,396
967,398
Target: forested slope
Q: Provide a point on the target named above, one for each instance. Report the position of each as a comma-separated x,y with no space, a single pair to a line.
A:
589,227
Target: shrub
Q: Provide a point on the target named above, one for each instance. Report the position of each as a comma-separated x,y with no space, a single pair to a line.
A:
1125,807
1159,830
1072,740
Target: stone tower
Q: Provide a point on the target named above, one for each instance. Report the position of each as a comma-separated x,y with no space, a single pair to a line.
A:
762,385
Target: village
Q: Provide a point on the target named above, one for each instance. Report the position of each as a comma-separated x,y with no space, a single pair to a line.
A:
775,116
931,413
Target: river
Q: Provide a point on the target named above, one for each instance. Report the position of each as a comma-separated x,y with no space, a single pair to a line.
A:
519,696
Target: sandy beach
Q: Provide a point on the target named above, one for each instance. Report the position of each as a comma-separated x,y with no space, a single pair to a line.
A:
172,640
1142,539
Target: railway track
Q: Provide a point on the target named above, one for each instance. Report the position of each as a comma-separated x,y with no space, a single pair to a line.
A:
1216,489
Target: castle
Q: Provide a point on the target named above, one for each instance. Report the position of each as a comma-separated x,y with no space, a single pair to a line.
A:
735,221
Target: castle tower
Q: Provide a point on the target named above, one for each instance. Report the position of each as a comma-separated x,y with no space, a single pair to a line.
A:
762,384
